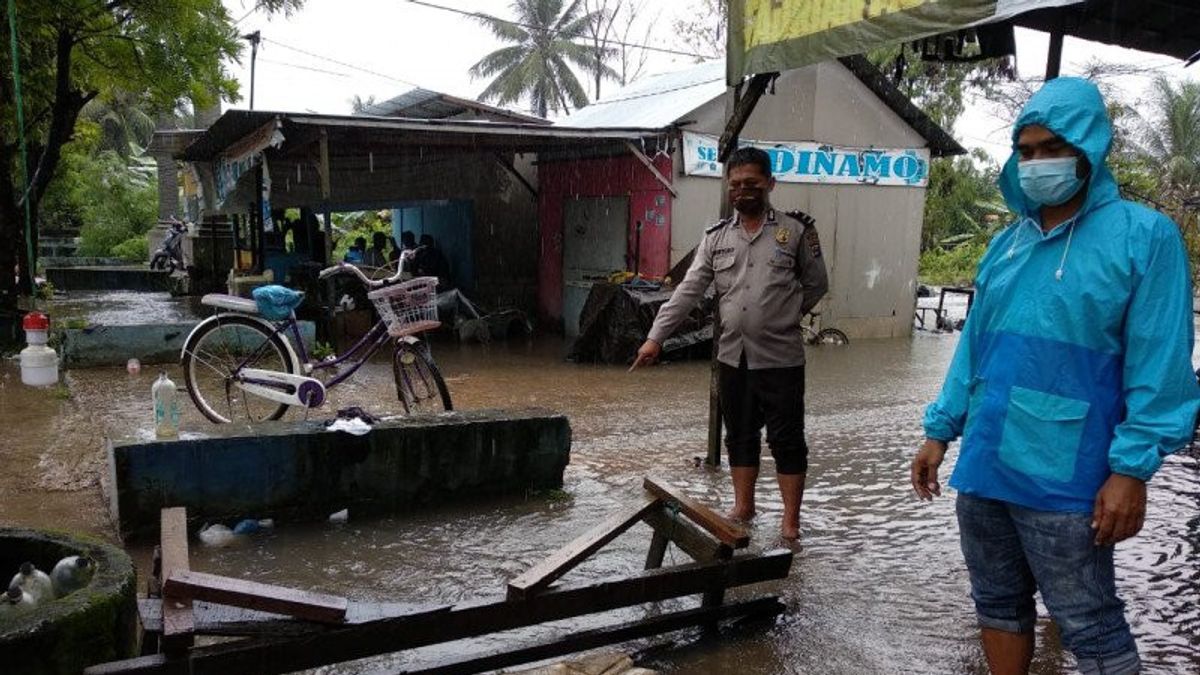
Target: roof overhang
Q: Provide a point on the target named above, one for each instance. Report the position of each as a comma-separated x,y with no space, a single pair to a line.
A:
1170,27
349,134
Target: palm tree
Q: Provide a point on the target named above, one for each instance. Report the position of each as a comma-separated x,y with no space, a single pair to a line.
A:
547,38
1172,137
125,120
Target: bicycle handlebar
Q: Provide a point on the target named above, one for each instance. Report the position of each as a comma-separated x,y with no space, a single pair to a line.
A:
347,268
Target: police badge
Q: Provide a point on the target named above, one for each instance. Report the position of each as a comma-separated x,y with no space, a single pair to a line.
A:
781,235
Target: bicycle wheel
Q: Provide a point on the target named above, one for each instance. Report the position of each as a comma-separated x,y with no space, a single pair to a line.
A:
213,356
419,383
831,336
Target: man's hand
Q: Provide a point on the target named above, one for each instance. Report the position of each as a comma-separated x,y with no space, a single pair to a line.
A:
647,355
1120,509
925,467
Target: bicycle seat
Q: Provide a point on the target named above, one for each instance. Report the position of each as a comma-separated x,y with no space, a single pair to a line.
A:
235,303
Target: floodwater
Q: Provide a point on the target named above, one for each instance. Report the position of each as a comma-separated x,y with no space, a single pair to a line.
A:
878,585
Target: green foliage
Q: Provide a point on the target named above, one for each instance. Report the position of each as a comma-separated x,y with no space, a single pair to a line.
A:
963,202
359,224
115,204
537,64
953,267
322,350
134,249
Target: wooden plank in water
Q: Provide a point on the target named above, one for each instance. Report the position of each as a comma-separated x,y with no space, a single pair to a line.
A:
600,637
178,623
226,621
348,642
689,538
729,533
184,585
566,558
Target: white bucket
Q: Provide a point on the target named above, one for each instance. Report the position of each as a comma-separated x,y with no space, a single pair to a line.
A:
39,366
37,337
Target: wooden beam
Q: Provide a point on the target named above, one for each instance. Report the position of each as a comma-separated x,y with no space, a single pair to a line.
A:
345,643
323,167
566,558
733,535
178,624
689,538
508,166
185,585
658,550
741,113
600,637
646,162
225,621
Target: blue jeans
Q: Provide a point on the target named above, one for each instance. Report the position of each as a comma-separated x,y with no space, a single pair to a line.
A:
1012,552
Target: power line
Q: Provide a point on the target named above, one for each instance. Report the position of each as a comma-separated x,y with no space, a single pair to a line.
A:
343,63
636,45
300,67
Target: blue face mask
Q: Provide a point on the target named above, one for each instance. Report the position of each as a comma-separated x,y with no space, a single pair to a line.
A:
1050,182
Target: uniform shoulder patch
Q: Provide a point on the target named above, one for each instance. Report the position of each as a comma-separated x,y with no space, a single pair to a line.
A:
813,241
717,225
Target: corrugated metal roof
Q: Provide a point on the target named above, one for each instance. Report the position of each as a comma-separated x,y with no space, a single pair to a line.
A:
653,102
431,105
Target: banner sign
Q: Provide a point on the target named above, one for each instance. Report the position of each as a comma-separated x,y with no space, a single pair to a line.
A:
243,156
807,162
775,35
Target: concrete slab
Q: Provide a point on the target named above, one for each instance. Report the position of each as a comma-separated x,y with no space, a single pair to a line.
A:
149,343
108,278
300,471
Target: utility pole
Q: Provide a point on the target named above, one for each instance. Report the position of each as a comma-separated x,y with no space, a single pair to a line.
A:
254,39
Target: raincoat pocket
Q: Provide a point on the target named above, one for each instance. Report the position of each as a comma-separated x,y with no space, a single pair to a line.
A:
1042,433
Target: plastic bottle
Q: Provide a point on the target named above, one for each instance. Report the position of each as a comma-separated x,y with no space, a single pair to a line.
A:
39,363
16,601
34,582
166,407
71,574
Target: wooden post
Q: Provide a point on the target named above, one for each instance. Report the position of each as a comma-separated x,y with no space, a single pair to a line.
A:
738,113
1054,55
658,550
178,624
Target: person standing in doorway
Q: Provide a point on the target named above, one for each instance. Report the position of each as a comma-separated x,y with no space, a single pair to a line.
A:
768,274
1071,383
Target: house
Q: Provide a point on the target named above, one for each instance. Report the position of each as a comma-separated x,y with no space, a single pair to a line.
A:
847,146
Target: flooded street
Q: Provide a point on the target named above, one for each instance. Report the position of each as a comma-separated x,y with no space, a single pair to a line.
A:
878,585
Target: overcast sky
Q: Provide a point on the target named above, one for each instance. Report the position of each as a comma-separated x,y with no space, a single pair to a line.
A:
332,50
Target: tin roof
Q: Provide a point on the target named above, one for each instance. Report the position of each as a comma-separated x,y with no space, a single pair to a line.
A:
659,101
434,105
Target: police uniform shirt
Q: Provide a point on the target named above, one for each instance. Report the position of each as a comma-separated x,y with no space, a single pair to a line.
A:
765,283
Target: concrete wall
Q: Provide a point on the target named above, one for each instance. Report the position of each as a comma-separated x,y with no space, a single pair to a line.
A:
870,235
148,343
300,471
108,278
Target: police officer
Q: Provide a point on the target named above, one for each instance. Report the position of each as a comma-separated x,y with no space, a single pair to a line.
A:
768,274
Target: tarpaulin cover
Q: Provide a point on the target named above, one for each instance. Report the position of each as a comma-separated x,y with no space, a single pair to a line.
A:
616,319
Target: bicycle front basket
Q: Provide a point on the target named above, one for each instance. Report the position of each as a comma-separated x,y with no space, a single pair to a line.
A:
408,308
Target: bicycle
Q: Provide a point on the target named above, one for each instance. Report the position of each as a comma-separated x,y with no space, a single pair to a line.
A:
240,364
823,336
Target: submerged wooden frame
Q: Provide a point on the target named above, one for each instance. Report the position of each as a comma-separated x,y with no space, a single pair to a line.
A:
285,630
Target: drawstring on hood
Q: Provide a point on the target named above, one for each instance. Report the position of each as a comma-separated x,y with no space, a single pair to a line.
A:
1073,109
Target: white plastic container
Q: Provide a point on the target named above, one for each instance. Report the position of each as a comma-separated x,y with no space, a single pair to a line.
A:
39,363
166,407
39,366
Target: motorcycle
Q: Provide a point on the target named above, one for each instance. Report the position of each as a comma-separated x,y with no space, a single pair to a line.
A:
169,256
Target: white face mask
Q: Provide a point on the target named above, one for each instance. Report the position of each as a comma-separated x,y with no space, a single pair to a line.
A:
1050,182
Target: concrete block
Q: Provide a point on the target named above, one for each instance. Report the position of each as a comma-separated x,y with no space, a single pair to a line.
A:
149,343
300,471
108,278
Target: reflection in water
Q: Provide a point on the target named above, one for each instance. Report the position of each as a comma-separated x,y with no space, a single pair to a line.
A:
878,586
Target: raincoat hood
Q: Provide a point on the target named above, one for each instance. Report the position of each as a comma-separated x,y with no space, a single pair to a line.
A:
1073,109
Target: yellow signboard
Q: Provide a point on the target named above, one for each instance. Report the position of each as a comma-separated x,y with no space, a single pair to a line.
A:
769,21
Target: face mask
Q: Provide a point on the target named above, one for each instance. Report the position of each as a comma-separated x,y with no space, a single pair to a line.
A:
749,201
1050,182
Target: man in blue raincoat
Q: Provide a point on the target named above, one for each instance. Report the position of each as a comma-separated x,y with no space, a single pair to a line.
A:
1071,382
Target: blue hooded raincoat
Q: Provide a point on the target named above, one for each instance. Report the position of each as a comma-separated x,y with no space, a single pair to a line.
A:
1076,359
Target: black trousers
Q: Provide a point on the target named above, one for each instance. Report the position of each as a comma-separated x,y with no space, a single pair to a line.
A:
774,396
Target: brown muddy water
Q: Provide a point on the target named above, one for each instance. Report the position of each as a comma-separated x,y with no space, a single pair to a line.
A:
878,585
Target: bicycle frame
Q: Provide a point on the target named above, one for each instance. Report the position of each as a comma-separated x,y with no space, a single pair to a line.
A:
371,342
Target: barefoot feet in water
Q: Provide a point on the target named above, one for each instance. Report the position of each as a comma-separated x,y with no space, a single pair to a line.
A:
743,516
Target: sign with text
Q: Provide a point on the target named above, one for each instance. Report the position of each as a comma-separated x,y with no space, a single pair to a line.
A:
774,35
808,162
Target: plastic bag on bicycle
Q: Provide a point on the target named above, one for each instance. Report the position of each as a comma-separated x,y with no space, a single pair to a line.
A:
275,303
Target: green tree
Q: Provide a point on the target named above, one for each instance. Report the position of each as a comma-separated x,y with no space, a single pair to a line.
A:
1171,138
74,51
547,39
125,121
